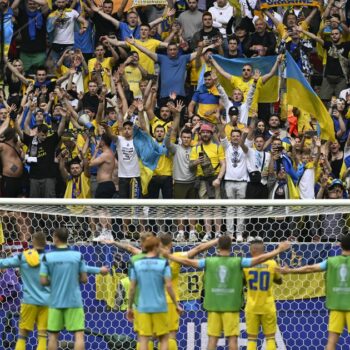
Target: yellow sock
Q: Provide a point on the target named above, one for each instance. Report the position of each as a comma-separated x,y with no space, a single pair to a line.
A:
270,344
172,344
21,343
150,345
252,344
42,342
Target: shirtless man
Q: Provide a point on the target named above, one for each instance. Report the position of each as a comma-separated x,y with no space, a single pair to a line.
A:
106,164
12,164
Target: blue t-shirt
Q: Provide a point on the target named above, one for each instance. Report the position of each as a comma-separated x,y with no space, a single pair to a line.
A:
126,32
150,273
245,262
63,267
33,292
173,74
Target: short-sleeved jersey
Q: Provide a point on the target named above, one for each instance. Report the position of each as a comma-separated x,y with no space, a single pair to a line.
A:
150,275
260,298
214,152
33,292
107,63
145,61
244,86
63,267
175,273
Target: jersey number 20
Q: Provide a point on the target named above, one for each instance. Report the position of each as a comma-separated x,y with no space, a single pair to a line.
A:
260,280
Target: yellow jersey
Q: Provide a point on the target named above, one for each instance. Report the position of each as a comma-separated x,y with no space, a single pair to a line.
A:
175,273
156,122
133,77
144,60
214,152
107,63
244,86
260,298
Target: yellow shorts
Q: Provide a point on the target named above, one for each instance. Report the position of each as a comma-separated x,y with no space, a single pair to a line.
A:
33,314
153,324
173,318
136,324
268,323
227,322
338,320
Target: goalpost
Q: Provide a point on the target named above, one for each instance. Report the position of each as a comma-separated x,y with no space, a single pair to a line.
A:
313,225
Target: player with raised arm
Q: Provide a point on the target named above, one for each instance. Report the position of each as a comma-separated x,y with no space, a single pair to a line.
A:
63,270
166,246
152,275
260,309
223,286
34,309
173,316
337,270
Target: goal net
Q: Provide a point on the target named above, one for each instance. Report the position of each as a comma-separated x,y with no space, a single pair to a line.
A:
313,226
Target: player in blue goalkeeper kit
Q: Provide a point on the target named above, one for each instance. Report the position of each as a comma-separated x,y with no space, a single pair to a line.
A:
63,269
34,308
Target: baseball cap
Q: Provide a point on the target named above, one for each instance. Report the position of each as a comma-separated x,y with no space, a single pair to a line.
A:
336,182
206,127
233,111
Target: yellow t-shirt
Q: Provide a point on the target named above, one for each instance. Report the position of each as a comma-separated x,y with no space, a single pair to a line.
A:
195,72
156,122
260,298
229,128
133,77
164,166
106,64
244,86
175,273
146,62
214,152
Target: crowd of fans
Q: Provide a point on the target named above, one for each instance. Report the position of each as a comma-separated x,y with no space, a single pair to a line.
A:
108,100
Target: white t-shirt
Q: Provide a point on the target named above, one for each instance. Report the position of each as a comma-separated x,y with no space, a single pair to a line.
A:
128,162
64,28
307,184
255,162
236,162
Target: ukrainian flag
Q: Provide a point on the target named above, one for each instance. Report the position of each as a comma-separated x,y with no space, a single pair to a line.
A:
300,94
269,92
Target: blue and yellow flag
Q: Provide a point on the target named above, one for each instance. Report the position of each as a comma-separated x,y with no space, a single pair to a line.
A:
301,95
269,92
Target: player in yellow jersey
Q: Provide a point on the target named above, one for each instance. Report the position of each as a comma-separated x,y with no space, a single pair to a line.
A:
173,316
260,308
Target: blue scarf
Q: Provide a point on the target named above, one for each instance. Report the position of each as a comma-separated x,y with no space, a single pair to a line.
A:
35,21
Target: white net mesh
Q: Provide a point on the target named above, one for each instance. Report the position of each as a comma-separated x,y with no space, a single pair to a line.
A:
302,318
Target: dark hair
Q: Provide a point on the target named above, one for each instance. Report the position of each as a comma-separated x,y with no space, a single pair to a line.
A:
145,25
61,234
165,239
207,74
236,130
172,43
247,64
345,242
108,2
43,128
41,68
109,110
336,16
106,139
40,239
186,131
75,160
257,241
233,37
9,134
128,122
159,127
207,13
225,243
274,115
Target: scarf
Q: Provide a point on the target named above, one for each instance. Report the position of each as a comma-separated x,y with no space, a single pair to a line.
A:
35,21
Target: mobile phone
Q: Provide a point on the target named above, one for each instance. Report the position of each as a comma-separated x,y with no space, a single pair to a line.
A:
200,154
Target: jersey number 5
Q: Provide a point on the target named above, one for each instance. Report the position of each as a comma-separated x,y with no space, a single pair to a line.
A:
260,280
